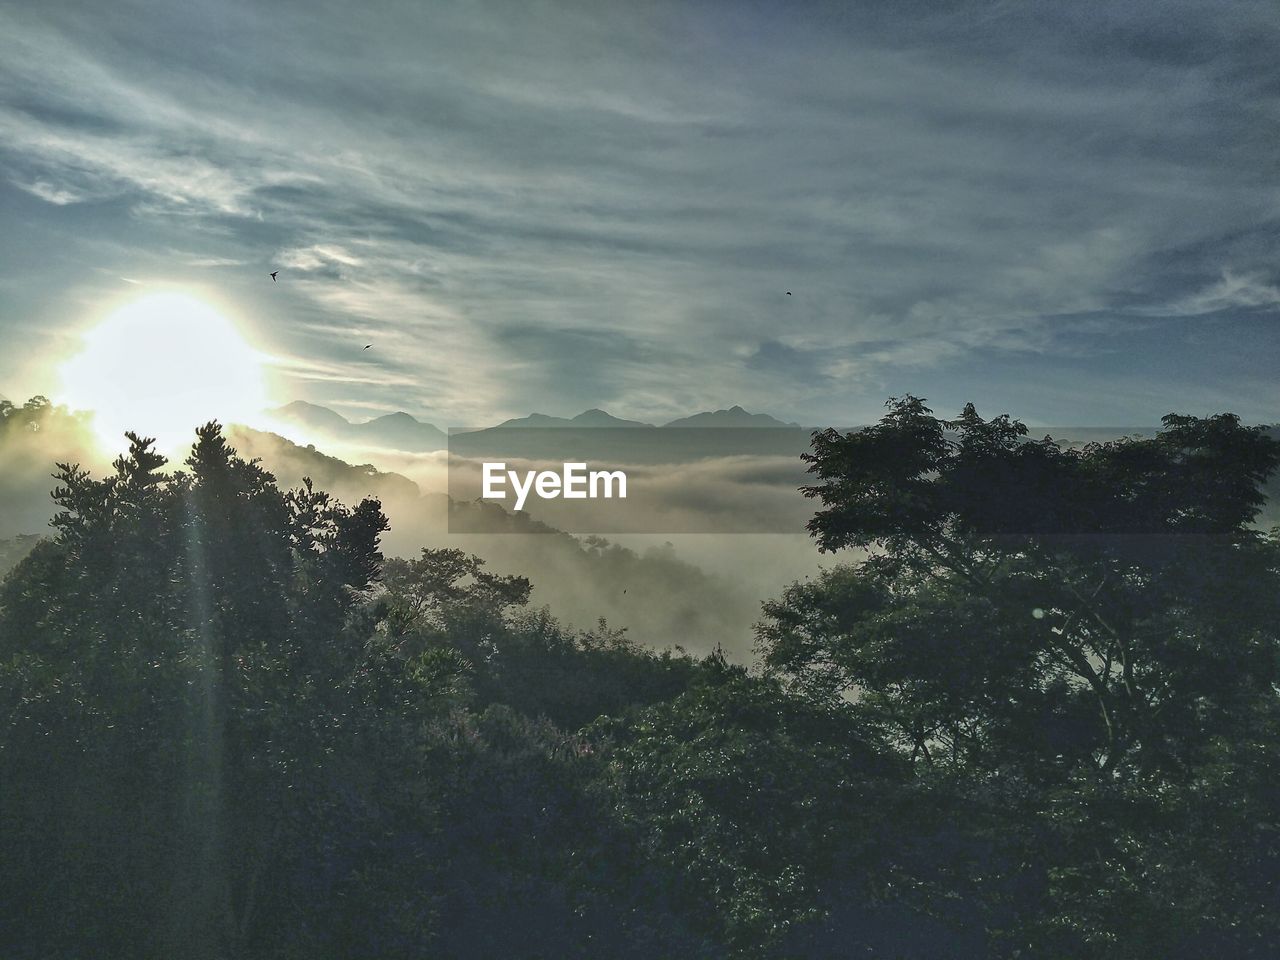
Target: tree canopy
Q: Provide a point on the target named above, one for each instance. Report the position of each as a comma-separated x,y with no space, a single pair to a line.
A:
1086,637
1035,715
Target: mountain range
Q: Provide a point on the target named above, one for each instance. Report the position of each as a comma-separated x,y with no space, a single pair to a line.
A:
400,431
397,431
588,418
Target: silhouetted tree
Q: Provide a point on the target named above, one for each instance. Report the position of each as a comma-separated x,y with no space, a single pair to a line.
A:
1085,637
1038,717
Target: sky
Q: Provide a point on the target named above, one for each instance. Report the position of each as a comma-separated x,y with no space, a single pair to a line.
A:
1067,212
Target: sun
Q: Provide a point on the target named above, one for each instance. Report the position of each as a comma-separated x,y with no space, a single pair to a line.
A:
161,366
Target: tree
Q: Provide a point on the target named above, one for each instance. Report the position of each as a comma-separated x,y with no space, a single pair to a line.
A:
1081,635
230,729
171,663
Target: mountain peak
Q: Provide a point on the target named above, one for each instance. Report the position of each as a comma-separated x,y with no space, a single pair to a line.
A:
311,414
397,430
535,420
595,417
735,416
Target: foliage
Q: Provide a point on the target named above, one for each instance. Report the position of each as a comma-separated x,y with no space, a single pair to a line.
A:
230,729
1037,718
1085,637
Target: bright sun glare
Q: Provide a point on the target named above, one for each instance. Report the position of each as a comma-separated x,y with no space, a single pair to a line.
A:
161,366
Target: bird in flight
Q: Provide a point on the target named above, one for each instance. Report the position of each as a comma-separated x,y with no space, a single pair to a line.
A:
368,345
273,275
788,293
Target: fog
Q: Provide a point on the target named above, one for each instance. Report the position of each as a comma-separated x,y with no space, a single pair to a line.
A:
667,586
695,591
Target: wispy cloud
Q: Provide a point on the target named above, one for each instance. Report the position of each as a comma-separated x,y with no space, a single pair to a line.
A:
604,205
1231,291
58,196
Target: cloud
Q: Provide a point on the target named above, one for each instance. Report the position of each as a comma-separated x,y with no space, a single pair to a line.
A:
522,226
773,358
1231,291
214,262
317,256
46,191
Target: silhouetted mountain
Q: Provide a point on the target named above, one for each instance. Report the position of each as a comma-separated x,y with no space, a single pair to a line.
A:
594,434
312,415
398,431
402,432
290,462
733,417
599,418
588,418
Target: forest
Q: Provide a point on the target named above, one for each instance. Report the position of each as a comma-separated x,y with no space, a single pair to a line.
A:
1033,713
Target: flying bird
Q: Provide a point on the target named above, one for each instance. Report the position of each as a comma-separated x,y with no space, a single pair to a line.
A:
788,293
368,345
273,275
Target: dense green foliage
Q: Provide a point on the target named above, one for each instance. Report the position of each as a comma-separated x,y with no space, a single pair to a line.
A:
1081,641
1037,719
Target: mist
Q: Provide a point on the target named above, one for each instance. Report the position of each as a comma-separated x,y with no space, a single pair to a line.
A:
693,591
